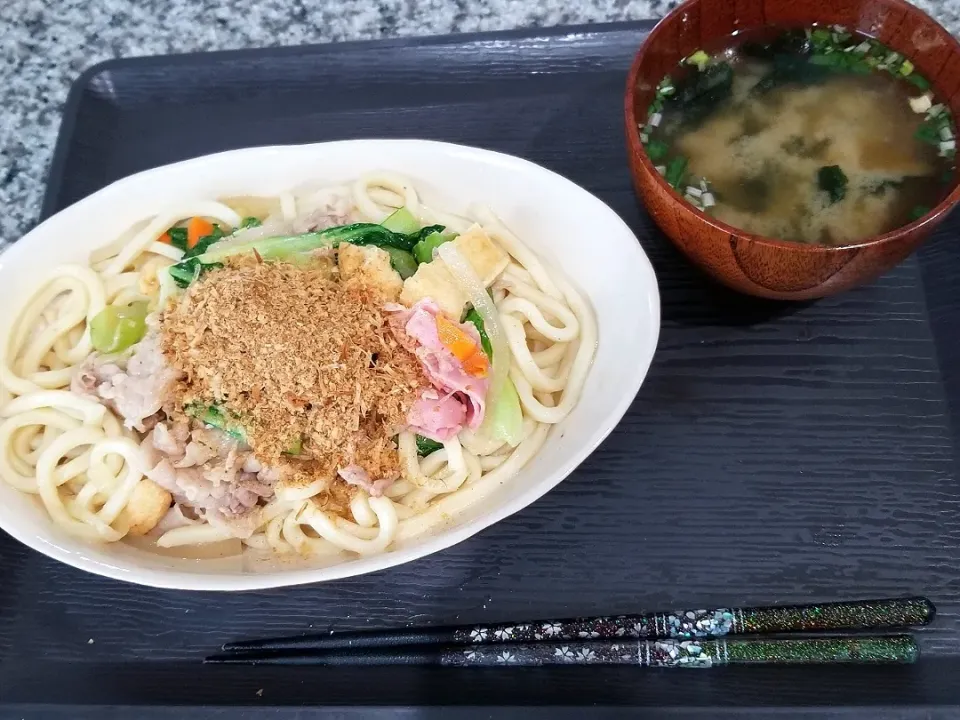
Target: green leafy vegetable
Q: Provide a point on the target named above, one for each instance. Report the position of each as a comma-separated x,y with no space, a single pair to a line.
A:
249,222
401,261
506,417
411,240
676,171
402,221
657,150
832,180
204,243
178,237
217,417
118,327
425,446
474,318
186,271
423,250
296,447
207,255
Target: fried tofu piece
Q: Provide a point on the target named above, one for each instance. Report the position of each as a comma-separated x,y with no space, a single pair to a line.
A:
486,257
433,280
147,505
369,266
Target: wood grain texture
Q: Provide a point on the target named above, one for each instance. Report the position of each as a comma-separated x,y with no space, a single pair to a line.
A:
750,263
777,453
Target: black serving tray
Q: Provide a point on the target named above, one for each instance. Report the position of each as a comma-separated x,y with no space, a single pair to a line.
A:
776,453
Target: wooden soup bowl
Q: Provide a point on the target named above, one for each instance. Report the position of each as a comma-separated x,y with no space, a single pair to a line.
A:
763,266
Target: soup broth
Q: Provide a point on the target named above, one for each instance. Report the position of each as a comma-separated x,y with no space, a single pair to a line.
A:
815,136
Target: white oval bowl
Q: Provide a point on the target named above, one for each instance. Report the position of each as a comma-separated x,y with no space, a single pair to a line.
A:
566,226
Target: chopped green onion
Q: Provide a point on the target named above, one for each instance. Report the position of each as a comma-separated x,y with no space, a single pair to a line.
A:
920,104
906,68
700,59
927,133
918,212
832,61
918,80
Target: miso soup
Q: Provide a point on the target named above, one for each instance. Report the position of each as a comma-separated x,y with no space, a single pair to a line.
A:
815,135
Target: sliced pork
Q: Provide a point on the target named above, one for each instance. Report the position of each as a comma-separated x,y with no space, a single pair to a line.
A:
205,470
137,392
356,475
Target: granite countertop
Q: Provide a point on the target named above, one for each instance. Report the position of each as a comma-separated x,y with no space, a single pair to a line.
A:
47,44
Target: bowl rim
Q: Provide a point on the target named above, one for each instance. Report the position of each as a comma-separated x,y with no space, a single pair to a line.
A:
636,150
71,552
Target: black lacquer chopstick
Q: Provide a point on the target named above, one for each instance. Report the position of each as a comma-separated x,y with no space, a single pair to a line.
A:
676,625
644,653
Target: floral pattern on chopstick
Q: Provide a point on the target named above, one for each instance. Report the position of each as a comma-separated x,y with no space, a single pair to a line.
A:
660,653
681,625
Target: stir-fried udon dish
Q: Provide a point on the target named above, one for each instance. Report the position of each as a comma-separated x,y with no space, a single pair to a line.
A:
333,370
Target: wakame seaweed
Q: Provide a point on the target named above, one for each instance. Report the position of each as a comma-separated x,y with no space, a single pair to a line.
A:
792,69
833,181
699,93
790,42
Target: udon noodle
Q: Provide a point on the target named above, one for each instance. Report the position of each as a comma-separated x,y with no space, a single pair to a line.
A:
88,470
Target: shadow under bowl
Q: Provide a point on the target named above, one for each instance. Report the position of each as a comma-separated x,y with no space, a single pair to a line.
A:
752,264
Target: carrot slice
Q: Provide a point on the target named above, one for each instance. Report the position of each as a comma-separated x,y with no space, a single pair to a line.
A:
463,347
477,365
197,228
165,238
